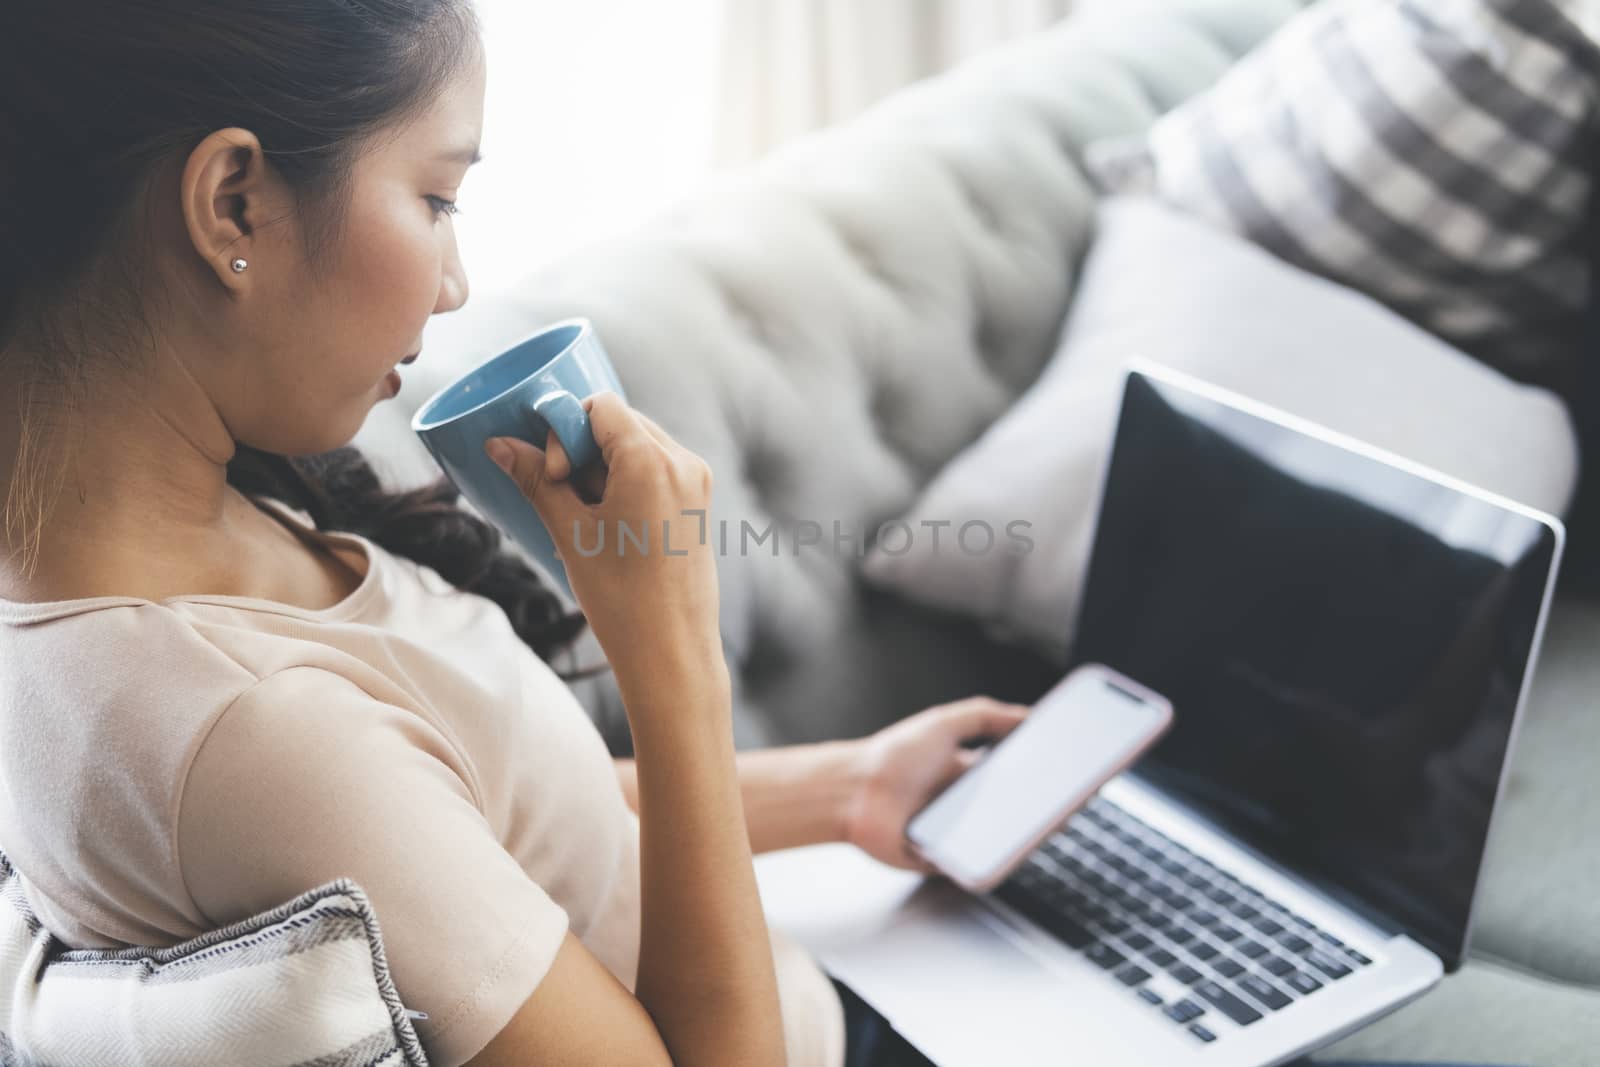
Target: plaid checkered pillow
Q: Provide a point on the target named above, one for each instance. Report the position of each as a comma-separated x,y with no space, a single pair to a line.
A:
304,983
1433,154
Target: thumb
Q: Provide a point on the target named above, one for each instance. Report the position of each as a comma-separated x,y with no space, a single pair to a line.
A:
988,721
536,475
966,759
959,762
522,462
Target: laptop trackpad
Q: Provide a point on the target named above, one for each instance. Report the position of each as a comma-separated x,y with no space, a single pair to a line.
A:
957,981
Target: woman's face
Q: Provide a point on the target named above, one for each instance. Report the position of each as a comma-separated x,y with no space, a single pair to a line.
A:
319,349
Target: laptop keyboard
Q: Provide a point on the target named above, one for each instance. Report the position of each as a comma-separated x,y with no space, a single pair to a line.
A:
1135,902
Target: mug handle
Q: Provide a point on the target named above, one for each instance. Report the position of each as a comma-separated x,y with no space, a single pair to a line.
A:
564,413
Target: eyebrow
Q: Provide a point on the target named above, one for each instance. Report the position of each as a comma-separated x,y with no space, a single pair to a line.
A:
469,156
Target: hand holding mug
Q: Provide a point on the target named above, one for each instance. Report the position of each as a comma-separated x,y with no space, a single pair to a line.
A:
652,592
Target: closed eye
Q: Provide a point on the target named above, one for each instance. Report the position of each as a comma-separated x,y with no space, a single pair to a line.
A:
442,206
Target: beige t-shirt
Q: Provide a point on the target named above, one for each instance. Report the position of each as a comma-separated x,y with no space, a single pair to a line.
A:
172,767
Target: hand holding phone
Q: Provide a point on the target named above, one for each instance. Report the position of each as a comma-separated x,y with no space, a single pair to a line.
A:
1085,731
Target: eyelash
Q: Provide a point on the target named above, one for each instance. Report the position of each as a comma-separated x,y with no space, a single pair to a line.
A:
442,206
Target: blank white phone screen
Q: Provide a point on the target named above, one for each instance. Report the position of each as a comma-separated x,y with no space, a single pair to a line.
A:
1075,734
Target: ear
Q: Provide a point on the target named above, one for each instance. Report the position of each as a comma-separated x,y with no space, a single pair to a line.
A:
223,192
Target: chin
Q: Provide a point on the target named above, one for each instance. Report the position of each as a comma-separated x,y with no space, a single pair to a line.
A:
347,436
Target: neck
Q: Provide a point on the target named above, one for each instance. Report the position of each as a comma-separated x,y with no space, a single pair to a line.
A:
121,491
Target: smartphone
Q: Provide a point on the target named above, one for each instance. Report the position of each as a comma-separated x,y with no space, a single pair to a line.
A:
1086,730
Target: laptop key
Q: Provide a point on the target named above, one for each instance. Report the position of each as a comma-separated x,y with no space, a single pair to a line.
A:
1277,966
1069,931
1133,974
1105,956
1184,973
1264,991
1227,1003
1202,1033
1327,964
1296,944
1149,996
1184,1010
1302,983
1126,877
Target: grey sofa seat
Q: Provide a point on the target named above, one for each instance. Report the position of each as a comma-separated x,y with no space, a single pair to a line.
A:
831,326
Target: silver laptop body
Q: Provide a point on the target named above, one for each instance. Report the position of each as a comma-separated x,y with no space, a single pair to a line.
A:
1348,640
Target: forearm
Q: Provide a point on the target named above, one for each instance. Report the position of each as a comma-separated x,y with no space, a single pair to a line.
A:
705,971
792,794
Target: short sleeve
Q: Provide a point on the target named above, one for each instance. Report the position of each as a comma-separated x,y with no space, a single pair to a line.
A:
306,778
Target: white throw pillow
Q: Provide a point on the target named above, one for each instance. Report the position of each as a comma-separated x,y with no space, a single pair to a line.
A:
300,984
1177,291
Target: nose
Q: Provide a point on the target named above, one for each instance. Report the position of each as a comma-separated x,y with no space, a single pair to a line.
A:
453,283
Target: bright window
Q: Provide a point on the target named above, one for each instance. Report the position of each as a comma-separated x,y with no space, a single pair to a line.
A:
596,116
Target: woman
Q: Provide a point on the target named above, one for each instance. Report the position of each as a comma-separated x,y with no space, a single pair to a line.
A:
223,224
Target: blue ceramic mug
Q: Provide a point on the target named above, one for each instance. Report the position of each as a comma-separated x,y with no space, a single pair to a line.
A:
533,387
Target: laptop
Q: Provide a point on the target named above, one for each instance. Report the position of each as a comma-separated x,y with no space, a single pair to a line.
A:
1348,640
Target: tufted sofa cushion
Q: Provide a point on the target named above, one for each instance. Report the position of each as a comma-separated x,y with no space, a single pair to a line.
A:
829,327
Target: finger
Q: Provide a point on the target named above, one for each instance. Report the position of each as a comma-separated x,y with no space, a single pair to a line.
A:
912,860
613,423
528,467
521,461
655,430
985,718
557,464
591,482
667,441
957,763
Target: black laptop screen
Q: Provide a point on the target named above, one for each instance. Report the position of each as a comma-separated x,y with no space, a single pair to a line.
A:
1344,643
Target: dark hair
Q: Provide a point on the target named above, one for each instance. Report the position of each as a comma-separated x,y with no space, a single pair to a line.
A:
102,99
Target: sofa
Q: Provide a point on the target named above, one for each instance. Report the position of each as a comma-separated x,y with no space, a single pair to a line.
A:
769,323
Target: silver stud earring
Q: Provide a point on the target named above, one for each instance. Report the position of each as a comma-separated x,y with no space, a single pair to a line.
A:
239,265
